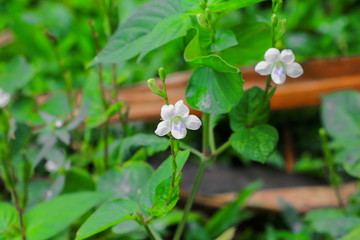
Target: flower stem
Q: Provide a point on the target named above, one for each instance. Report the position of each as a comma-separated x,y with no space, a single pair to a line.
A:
151,232
222,148
334,178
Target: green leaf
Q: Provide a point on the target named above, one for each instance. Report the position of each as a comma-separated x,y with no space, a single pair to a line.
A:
147,197
77,180
150,142
9,220
214,92
50,218
332,221
109,214
350,159
170,28
194,54
340,114
126,182
224,40
353,235
253,38
196,232
243,114
255,143
17,74
230,5
166,197
129,39
230,215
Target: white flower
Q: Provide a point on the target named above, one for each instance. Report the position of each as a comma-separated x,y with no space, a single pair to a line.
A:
4,98
59,123
176,120
279,65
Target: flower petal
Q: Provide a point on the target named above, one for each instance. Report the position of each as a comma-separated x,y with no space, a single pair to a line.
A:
272,55
181,109
294,70
192,122
4,98
167,112
263,68
163,128
278,74
178,129
287,56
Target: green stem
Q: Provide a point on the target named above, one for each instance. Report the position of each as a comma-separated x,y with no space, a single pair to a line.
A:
191,199
206,134
222,148
151,232
334,178
192,150
212,143
174,148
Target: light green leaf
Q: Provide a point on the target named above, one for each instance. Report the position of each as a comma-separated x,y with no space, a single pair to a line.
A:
50,218
129,39
340,114
9,220
230,5
332,221
194,54
349,157
150,142
109,214
211,91
224,40
353,235
170,28
230,215
16,75
243,114
126,182
147,197
255,143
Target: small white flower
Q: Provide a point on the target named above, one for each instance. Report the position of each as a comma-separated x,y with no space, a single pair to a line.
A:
279,65
176,119
59,123
4,98
52,166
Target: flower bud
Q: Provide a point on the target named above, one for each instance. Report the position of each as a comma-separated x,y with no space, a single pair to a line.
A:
276,5
155,88
162,73
281,29
274,20
201,20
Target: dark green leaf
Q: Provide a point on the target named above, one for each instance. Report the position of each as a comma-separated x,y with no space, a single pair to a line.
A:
255,143
147,197
350,159
230,215
332,221
193,53
230,5
170,28
243,115
129,38
224,40
340,113
109,214
17,74
78,180
196,232
126,182
50,218
214,92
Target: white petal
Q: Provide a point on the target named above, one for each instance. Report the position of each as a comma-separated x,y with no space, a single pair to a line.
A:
178,129
294,70
181,109
263,68
167,112
272,55
163,128
192,122
4,98
287,56
278,74
51,166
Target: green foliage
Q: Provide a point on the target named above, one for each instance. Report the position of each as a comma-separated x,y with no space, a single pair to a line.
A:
230,5
211,91
109,214
9,221
50,218
256,143
131,37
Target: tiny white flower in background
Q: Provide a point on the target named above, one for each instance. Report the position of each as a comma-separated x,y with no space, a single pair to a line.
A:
51,166
279,65
4,98
59,123
176,119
